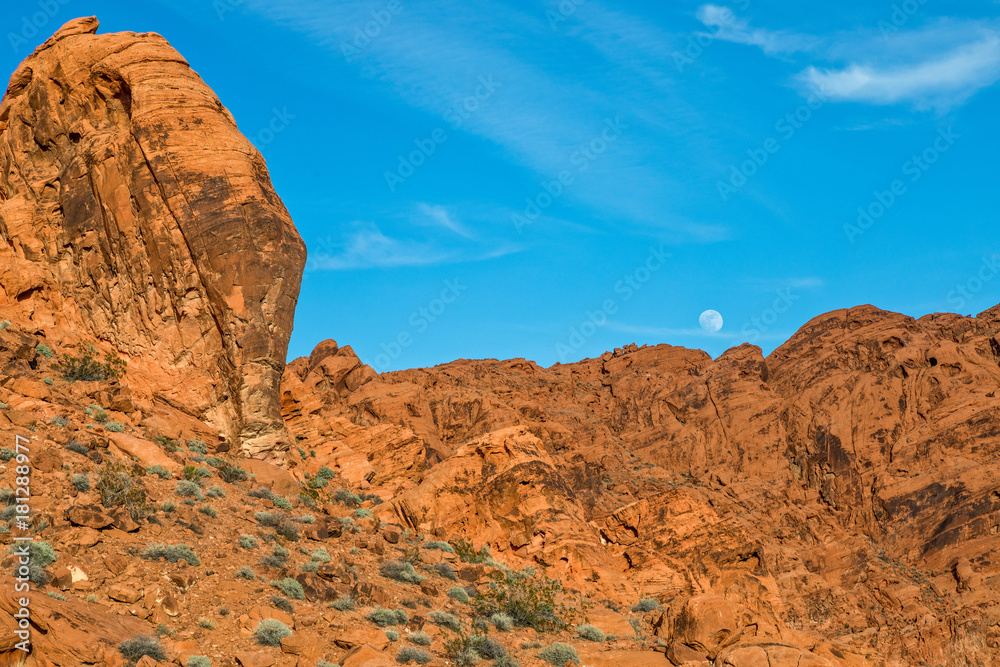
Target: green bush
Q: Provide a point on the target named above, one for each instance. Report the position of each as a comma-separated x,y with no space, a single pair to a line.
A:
409,653
646,604
290,588
99,414
40,556
197,446
6,454
216,492
114,427
206,623
529,600
458,593
320,555
486,647
87,368
188,489
439,546
81,482
168,506
306,518
194,473
246,573
420,638
269,519
344,603
60,421
231,473
117,487
385,617
159,471
502,622
445,620
44,350
325,473
248,542
140,646
346,497
363,513
392,635
172,553
311,566
591,633
208,510
559,654
270,632
400,571
78,447
446,570
283,604
198,661
466,551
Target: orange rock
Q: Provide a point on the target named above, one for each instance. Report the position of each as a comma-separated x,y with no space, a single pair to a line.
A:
255,659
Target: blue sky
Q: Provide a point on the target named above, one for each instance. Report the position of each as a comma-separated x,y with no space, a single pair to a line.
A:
551,180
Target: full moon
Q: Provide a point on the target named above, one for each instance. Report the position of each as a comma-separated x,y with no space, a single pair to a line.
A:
711,321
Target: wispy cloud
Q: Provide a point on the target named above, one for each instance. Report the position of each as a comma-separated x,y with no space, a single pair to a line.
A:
939,66
441,216
941,82
728,27
365,246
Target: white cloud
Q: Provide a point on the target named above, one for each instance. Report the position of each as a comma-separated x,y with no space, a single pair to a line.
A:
730,28
367,247
941,82
439,215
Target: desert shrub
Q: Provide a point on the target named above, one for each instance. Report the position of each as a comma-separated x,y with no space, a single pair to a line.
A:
194,473
81,482
50,382
439,546
411,654
559,654
168,443
40,556
373,497
591,633
44,350
198,661
206,623
529,600
486,647
60,421
420,638
445,620
400,571
502,622
346,497
278,559
216,492
159,471
141,646
325,473
385,617
290,588
269,519
446,570
6,454
248,542
282,603
466,551
168,506
188,489
363,513
246,573
87,368
306,518
344,603
117,487
645,604
231,473
270,632
458,593
208,510
172,553
76,446
114,427
197,446
320,555
311,566
506,661
391,635
99,414
4,325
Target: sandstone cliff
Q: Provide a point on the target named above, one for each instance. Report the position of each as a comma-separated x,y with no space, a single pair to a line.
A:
134,215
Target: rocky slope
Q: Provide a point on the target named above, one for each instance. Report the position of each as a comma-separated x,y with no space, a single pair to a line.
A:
836,504
134,215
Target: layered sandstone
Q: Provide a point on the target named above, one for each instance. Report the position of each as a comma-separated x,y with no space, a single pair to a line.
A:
135,216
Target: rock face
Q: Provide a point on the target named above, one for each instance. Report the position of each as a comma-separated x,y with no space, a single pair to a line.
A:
839,498
136,217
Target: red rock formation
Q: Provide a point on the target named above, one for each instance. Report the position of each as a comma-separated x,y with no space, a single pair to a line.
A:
134,214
